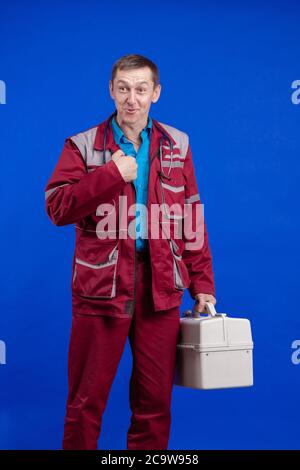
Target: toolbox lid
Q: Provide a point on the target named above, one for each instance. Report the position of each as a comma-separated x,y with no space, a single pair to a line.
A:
217,332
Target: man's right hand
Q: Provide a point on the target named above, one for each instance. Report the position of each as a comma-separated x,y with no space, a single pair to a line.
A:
127,166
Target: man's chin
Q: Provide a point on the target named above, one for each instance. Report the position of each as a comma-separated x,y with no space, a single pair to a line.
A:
127,117
130,118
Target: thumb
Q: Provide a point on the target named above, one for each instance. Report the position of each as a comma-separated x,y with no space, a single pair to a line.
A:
199,305
117,154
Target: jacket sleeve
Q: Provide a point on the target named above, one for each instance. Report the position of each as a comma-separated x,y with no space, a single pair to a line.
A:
72,193
196,254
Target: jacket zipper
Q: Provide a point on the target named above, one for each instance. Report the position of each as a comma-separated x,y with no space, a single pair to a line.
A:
134,287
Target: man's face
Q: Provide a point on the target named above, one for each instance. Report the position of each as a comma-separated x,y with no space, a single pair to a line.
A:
133,94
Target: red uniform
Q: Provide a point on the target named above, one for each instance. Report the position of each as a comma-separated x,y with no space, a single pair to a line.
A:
118,292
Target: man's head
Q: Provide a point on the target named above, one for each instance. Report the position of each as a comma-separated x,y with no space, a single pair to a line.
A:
134,86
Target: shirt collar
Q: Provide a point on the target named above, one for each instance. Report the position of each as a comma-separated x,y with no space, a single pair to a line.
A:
119,134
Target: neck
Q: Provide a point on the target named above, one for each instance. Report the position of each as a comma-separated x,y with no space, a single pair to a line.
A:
131,131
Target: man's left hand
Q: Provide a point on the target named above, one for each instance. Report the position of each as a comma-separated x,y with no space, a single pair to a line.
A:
201,299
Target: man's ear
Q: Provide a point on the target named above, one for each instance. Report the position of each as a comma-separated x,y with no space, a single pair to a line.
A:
156,93
110,86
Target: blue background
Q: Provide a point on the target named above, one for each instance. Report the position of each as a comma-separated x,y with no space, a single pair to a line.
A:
226,74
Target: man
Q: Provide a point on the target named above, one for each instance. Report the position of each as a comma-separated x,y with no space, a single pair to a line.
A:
127,282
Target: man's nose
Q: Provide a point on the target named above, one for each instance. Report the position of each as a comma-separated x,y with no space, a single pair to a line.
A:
131,97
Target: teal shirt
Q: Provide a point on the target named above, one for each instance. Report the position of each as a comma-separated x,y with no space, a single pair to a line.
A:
141,182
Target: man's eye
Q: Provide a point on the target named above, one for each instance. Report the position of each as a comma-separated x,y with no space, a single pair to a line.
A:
140,90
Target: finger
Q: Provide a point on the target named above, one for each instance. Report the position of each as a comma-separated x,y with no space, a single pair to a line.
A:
199,306
210,298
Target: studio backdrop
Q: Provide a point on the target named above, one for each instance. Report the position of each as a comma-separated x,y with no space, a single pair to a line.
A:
230,79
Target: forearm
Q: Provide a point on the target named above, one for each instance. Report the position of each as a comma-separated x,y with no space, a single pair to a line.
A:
200,268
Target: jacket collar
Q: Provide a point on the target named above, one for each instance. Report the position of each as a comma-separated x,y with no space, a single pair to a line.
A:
119,134
155,136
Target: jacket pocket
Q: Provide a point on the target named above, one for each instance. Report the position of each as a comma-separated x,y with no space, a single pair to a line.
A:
171,197
180,272
96,277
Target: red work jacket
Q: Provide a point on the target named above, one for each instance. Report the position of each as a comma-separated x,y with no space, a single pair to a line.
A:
85,182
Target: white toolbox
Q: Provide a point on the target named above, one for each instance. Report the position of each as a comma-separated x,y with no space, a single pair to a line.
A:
214,351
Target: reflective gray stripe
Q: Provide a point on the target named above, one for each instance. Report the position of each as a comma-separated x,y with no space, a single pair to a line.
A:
174,246
174,164
112,259
85,143
180,137
193,198
50,191
175,189
74,275
175,147
168,215
178,281
177,277
168,155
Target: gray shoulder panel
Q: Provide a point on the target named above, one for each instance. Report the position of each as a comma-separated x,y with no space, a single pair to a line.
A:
180,137
85,143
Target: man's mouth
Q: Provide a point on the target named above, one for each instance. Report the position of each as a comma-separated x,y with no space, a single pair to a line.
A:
130,111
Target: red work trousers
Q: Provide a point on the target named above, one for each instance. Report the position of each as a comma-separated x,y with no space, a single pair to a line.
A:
96,347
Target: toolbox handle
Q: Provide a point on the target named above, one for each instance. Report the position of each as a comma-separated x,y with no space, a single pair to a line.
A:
208,308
